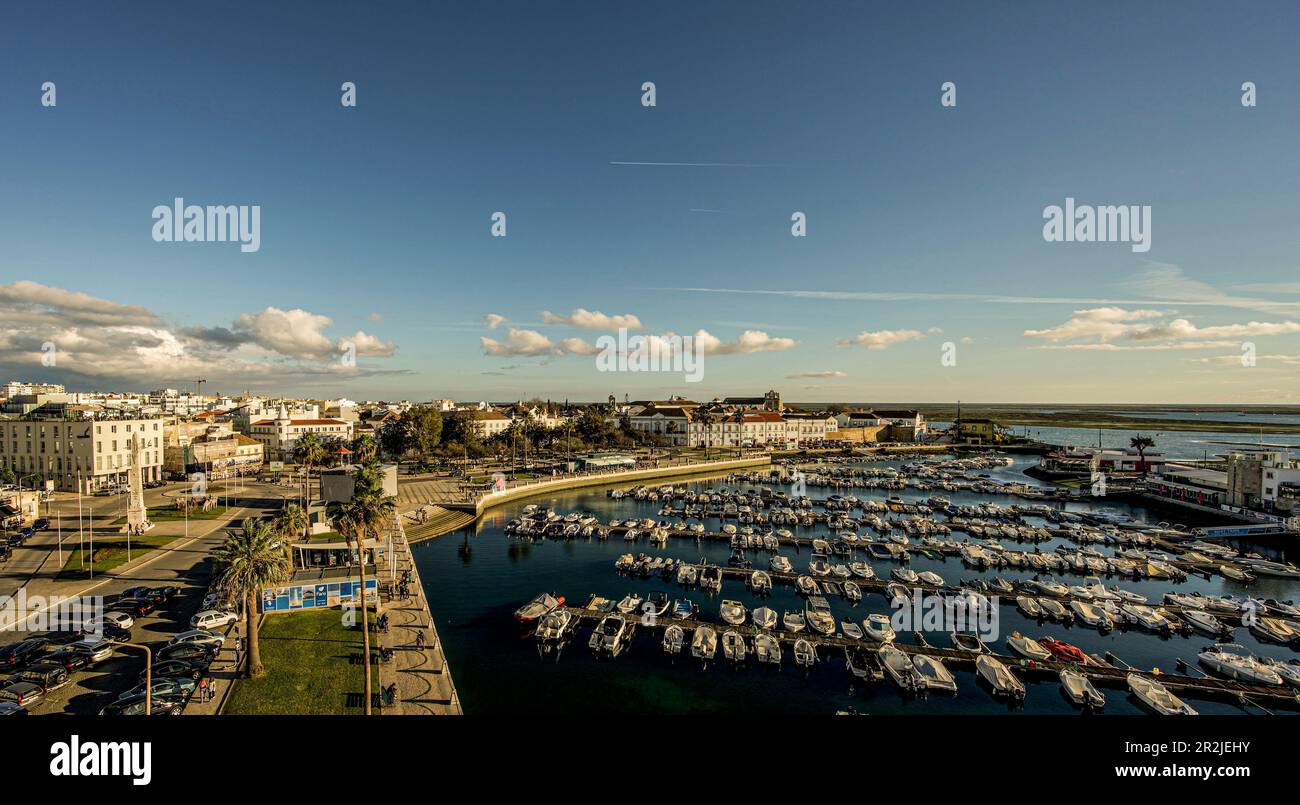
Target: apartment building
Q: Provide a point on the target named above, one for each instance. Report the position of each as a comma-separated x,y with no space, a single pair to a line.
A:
93,453
280,435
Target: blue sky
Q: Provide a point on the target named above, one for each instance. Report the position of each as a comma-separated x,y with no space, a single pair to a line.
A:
920,218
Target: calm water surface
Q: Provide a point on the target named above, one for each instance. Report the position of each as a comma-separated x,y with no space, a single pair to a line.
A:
475,580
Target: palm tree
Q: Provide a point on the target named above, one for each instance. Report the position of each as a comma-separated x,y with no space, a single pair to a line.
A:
365,449
1141,443
249,562
707,419
364,516
289,523
309,451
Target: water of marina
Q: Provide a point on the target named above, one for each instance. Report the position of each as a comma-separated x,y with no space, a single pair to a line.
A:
477,578
1175,444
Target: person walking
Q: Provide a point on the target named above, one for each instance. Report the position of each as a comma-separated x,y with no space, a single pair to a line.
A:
419,640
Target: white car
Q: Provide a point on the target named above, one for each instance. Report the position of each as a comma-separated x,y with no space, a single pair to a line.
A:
212,618
119,619
199,636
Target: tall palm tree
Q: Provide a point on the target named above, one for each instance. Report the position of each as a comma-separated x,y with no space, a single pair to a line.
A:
364,516
708,420
250,561
309,451
289,523
1141,443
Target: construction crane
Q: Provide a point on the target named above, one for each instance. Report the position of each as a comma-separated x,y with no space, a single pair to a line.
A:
198,382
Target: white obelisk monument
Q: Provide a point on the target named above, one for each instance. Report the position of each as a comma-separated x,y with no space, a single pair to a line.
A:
137,520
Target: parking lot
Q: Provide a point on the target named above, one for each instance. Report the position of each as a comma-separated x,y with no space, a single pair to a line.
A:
181,563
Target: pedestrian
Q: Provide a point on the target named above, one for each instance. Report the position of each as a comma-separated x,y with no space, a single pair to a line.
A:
239,645
203,689
419,640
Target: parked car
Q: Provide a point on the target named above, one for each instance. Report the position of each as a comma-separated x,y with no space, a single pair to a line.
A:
194,652
138,591
17,655
211,600
178,687
48,675
16,539
108,631
122,620
13,709
202,637
164,669
41,524
61,638
164,593
25,694
139,607
212,619
85,653
135,707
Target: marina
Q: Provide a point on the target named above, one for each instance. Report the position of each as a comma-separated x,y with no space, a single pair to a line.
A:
1148,606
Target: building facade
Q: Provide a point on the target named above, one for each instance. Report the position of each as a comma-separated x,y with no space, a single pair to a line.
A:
92,454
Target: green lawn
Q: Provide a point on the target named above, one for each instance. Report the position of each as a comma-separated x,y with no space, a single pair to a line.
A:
313,667
171,514
109,553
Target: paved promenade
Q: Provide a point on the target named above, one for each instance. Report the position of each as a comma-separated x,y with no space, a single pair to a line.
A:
423,678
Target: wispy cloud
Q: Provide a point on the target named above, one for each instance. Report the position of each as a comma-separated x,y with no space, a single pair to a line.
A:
880,339
817,375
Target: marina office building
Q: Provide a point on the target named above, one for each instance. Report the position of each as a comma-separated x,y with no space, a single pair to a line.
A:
94,453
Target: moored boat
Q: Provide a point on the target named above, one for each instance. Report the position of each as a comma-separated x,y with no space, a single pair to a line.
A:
1003,682
1157,697
538,607
1080,690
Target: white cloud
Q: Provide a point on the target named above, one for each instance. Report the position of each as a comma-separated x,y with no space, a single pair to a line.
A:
880,339
1101,328
519,342
749,342
593,320
112,345
367,345
494,321
816,375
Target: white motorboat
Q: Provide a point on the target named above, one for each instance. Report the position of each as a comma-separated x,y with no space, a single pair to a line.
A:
764,618
852,592
767,649
1091,614
862,570
780,564
733,646
1157,697
1234,661
851,630
1054,609
1289,671
969,641
1004,683
878,628
732,612
630,604
537,608
555,625
1028,647
687,575
793,621
1204,621
704,643
905,575
1146,617
806,585
1128,595
610,635
900,669
1236,573
817,613
805,653
760,582
674,639
935,674
1080,690
1275,629
1030,606
931,578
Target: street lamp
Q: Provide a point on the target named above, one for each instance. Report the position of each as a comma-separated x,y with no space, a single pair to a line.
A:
148,675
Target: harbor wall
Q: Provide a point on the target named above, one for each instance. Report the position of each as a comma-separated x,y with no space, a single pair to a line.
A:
609,479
